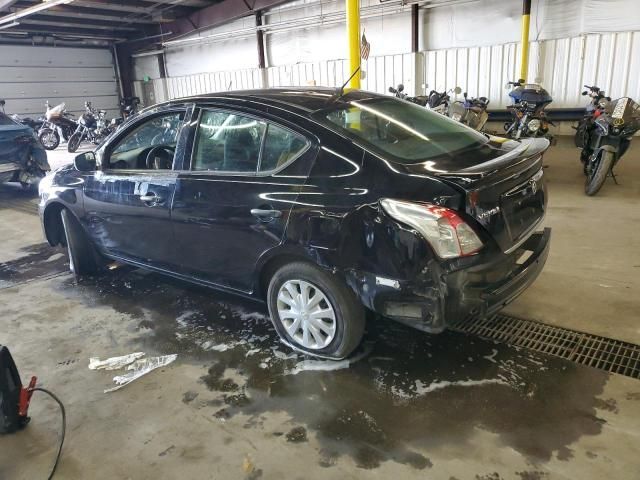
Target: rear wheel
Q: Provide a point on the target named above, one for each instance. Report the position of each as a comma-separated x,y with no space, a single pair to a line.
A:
314,311
83,257
49,138
597,172
74,142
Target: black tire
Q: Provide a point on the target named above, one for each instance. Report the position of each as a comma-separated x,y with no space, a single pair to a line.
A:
595,179
83,257
50,139
74,142
349,312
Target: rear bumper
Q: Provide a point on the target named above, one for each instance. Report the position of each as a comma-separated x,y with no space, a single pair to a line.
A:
441,299
486,298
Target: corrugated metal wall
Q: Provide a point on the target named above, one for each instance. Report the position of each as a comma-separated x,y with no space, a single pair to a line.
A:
610,61
29,76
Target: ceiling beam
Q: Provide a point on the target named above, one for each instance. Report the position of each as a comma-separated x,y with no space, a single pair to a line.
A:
133,6
65,11
66,32
78,23
218,14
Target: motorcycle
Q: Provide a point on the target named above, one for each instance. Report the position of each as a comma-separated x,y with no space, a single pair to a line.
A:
528,116
58,123
92,126
606,138
128,108
399,93
439,101
471,112
593,110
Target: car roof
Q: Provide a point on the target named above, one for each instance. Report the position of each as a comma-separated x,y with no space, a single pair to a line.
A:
302,100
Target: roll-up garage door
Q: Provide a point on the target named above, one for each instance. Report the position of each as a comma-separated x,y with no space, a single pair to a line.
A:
31,75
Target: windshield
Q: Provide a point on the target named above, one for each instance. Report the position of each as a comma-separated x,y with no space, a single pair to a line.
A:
407,132
5,120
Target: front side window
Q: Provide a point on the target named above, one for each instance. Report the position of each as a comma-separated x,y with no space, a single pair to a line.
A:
149,146
403,131
228,142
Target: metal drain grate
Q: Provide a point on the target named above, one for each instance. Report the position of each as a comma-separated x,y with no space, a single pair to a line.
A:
599,352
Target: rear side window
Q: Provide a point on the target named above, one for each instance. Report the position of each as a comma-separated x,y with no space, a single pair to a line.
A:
228,142
280,146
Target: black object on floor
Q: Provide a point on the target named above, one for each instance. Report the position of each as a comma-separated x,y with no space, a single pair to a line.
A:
15,399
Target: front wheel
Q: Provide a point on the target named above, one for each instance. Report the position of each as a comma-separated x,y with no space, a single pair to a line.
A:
74,142
49,138
597,172
314,311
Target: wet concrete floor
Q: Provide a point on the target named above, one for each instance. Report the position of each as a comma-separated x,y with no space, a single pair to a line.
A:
406,403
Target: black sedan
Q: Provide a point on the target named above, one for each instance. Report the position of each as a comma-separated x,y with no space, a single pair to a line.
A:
324,204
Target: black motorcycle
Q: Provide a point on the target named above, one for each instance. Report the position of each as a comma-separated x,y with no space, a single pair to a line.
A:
128,108
399,93
58,123
606,138
92,126
597,103
439,101
527,111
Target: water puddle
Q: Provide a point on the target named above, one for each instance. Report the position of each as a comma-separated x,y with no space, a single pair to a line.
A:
37,261
403,394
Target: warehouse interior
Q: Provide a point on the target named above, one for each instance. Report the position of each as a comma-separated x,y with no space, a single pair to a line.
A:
546,387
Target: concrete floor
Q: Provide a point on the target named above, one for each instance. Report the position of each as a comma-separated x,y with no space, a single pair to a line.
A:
237,405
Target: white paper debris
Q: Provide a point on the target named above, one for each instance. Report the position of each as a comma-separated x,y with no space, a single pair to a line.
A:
328,365
140,368
114,363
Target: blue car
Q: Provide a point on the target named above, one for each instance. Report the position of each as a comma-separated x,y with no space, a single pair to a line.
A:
22,157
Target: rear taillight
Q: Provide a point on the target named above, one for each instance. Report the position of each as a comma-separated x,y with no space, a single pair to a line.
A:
446,232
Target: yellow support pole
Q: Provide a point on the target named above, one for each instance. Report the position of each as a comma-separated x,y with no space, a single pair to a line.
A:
526,17
353,37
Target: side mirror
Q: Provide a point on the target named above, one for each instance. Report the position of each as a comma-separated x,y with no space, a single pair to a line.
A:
457,90
400,87
85,162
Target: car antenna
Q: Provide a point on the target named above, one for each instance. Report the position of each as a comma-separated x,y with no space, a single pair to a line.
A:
340,91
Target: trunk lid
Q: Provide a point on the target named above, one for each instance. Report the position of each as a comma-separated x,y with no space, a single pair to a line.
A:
504,192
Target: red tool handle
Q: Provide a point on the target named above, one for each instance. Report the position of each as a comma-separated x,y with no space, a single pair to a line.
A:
25,397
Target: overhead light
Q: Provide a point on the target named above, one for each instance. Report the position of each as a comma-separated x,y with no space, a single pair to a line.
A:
25,12
14,24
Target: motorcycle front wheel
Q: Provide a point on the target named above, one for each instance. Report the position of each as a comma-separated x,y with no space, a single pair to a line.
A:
74,142
49,138
597,172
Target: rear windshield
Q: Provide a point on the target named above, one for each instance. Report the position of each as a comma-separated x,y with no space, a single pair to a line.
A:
5,120
402,130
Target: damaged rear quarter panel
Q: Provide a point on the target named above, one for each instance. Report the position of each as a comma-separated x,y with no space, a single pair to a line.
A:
339,224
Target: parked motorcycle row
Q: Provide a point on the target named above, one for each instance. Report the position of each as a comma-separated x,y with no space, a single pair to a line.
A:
603,134
23,141
58,125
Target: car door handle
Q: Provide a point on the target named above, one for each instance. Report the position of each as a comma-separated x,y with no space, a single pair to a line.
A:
265,214
151,198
